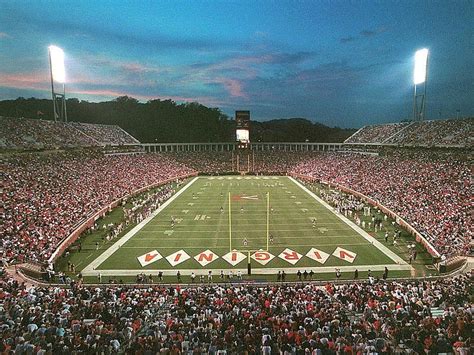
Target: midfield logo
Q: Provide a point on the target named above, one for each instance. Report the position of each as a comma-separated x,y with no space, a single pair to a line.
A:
244,197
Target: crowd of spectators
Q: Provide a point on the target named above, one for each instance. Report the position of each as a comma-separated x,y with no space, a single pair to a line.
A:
105,134
208,162
376,133
23,133
453,132
261,162
437,133
45,196
143,206
36,134
419,317
276,162
431,191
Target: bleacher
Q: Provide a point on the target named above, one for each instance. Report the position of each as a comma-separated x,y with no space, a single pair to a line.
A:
360,317
435,133
36,134
105,134
24,133
376,133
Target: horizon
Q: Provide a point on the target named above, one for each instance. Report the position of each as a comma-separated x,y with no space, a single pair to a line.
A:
339,64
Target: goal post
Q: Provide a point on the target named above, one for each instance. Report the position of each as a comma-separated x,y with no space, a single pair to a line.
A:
268,219
230,224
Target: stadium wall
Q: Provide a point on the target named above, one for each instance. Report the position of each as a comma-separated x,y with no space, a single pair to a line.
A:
418,237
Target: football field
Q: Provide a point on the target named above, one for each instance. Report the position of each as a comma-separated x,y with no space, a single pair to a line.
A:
223,223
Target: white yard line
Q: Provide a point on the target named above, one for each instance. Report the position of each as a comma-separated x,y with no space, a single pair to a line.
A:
355,227
255,271
105,255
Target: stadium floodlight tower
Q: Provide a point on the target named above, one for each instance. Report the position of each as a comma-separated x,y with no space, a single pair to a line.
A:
58,75
420,79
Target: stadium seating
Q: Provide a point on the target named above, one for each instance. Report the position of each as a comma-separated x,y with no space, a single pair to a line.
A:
421,317
430,191
105,134
206,162
23,133
454,132
376,133
268,162
47,195
437,133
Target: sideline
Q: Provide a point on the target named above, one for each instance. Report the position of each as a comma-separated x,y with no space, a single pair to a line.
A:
397,259
106,254
255,271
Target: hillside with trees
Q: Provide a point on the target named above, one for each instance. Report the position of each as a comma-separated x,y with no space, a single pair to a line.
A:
168,121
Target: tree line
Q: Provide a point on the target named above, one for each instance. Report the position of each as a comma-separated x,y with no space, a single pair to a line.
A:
168,121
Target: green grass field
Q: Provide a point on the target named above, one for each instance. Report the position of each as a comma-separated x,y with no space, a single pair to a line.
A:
201,214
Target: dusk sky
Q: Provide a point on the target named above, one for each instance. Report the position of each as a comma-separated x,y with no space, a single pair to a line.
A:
344,63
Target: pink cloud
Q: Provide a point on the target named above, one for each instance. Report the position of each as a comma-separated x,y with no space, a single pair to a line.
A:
233,86
40,82
35,81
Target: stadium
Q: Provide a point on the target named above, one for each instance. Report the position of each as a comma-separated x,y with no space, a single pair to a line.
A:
155,227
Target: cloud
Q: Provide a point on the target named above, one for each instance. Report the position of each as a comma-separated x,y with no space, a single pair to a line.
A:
32,81
4,35
150,40
347,39
370,33
366,33
233,86
39,82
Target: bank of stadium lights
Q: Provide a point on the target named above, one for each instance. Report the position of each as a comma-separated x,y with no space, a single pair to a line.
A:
421,61
419,79
56,56
58,76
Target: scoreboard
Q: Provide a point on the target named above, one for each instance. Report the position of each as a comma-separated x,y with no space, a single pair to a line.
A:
242,119
242,131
